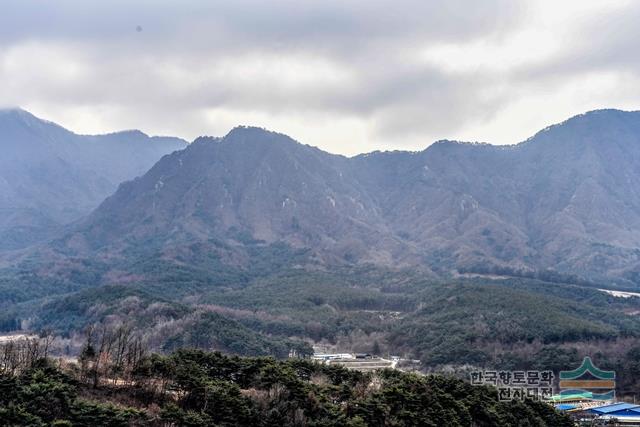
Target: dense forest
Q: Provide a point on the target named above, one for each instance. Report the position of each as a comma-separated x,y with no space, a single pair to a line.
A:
122,386
449,325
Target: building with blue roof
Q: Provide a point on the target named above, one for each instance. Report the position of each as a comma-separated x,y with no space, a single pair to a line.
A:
626,414
617,409
566,406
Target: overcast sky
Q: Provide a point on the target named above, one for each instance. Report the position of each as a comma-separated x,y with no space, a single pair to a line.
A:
347,76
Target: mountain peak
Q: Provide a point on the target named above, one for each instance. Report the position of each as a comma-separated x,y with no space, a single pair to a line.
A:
604,115
252,132
252,136
133,133
20,121
593,127
205,139
19,114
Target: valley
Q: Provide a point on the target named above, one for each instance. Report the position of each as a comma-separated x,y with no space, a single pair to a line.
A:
256,245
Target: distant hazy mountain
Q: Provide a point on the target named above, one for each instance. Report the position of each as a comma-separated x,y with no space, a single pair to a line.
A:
50,176
568,199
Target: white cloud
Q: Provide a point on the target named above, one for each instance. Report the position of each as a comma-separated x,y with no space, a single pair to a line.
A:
346,76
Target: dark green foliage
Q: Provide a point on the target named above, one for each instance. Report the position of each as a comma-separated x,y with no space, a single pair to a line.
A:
263,392
501,323
207,389
463,322
143,310
76,311
89,414
43,395
506,324
213,330
16,287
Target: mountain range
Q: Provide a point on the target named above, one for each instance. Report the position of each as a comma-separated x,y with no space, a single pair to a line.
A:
567,200
461,255
50,176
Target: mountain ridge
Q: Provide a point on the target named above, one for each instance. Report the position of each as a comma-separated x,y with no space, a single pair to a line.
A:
565,200
541,204
50,176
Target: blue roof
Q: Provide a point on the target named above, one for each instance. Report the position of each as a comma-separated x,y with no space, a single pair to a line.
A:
607,409
565,407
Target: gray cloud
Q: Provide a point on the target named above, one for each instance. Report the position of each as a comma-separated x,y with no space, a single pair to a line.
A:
256,24
604,42
348,76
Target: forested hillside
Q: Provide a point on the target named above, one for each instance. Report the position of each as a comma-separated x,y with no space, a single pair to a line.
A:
194,388
448,325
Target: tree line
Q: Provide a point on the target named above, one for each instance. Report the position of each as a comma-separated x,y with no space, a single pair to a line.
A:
115,382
